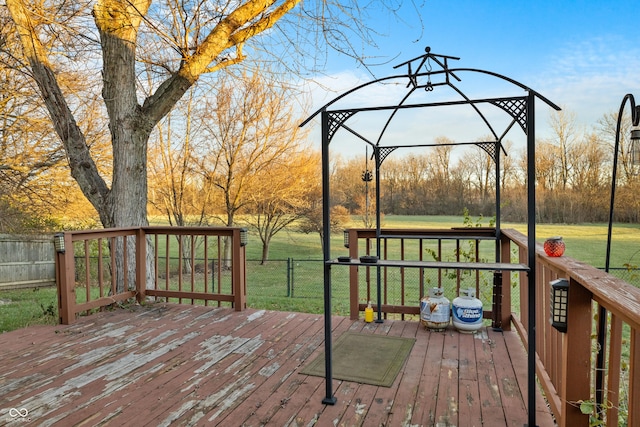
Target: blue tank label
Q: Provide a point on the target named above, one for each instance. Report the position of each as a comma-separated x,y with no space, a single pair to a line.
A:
467,314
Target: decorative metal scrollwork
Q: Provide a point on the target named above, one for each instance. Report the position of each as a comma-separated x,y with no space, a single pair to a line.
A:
516,108
424,68
385,151
336,119
489,148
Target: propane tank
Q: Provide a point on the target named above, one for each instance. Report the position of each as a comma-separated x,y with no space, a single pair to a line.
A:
467,311
435,310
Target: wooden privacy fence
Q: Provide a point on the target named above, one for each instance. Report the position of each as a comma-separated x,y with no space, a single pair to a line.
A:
99,268
26,261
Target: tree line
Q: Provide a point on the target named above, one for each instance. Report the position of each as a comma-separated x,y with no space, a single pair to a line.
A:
573,178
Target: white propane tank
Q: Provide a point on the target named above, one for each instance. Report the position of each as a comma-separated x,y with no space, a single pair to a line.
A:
435,311
467,311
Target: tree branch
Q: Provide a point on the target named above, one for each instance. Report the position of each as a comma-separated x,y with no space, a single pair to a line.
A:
83,168
232,31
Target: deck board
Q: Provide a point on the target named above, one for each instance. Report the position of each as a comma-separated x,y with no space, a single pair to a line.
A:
164,364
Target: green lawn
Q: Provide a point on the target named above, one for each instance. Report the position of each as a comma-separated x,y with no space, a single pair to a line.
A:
585,242
26,307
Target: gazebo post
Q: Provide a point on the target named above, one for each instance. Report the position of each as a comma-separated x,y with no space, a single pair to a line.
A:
329,398
376,152
531,243
496,161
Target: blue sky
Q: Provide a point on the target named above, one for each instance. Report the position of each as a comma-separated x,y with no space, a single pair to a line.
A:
582,55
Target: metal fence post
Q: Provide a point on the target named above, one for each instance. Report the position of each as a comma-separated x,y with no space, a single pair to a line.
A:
213,276
288,277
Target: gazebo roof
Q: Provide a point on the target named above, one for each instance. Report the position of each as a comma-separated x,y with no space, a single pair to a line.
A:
421,86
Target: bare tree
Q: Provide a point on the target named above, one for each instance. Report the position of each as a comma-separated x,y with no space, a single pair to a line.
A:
348,188
588,159
174,181
547,167
508,167
607,133
176,185
563,124
418,170
479,166
283,195
441,176
250,131
250,128
312,221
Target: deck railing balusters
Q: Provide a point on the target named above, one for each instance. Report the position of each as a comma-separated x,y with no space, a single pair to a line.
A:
123,240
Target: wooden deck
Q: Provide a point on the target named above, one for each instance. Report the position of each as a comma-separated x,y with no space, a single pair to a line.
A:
164,364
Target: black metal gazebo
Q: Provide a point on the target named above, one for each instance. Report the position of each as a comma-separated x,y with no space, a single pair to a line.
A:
421,84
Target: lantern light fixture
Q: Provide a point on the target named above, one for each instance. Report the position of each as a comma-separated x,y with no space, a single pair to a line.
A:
244,237
346,238
559,304
58,242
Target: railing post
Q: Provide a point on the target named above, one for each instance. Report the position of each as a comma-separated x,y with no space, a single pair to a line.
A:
634,379
524,287
496,309
354,311
238,272
141,265
505,309
65,278
576,361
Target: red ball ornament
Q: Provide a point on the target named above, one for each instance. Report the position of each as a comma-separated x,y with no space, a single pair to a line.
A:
554,246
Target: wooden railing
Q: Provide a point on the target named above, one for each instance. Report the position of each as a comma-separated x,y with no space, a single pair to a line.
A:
445,258
565,362
183,264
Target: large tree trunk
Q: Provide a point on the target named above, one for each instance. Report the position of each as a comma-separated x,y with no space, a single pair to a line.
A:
129,126
126,203
265,252
227,246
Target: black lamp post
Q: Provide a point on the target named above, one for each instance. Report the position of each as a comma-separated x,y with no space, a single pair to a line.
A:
635,158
